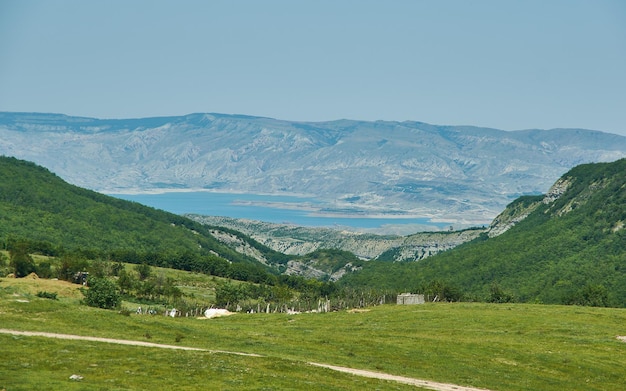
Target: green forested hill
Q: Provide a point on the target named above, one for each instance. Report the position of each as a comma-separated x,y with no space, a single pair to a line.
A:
570,249
54,216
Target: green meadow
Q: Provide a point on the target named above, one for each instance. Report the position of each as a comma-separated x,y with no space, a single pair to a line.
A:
492,346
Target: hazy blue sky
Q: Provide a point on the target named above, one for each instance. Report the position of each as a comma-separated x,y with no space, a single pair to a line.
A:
504,64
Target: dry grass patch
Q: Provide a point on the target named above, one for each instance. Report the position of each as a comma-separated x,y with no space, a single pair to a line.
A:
31,284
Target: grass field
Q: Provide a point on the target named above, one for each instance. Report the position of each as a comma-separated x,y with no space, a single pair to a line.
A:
493,346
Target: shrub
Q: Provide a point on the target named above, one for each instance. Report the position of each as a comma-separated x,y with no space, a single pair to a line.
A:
590,295
102,293
20,261
144,271
70,265
499,295
47,295
44,270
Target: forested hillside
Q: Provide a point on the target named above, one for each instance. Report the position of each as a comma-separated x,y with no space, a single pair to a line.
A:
570,249
566,247
54,217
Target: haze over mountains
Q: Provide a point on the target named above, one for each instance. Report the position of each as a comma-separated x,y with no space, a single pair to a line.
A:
460,173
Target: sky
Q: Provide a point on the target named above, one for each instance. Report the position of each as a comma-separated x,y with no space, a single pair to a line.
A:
496,63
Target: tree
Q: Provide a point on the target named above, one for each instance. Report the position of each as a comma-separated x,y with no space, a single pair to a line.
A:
126,282
116,268
3,260
591,295
102,293
228,293
143,271
499,295
44,270
442,290
21,262
70,265
99,268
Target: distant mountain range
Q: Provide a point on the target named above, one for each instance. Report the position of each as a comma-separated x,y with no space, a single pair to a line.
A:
462,174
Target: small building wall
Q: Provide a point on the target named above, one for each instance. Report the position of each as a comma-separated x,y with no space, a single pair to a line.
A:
409,298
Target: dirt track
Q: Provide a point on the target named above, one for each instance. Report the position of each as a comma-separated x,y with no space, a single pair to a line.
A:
357,372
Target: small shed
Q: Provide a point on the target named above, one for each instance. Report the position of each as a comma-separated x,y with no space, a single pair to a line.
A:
410,298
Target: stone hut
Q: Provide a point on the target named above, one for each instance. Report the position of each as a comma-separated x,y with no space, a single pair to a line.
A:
410,298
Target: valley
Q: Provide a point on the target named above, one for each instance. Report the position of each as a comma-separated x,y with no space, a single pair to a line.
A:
313,195
538,249
312,305
459,174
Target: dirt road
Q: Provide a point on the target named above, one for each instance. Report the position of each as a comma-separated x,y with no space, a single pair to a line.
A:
115,341
431,385
357,372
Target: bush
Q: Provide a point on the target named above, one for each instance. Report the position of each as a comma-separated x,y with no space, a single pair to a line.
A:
444,291
20,261
70,265
590,295
499,295
44,270
143,271
47,295
102,293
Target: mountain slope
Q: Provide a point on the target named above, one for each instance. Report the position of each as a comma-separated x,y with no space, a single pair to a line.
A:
570,247
55,216
463,174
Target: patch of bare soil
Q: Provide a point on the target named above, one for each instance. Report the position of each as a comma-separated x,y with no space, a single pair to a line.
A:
357,372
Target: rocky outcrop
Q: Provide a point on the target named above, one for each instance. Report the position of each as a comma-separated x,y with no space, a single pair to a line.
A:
294,240
238,245
513,214
557,190
421,245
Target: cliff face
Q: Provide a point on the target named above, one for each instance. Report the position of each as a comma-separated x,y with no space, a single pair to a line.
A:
295,240
524,206
422,245
513,214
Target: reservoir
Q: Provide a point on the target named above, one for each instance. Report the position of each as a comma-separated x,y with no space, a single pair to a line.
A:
281,209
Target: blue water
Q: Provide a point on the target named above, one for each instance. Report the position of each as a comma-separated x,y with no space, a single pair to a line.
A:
253,207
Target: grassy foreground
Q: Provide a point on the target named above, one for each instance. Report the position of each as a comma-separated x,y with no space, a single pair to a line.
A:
498,347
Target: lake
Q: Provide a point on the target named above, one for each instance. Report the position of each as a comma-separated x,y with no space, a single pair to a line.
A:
280,209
